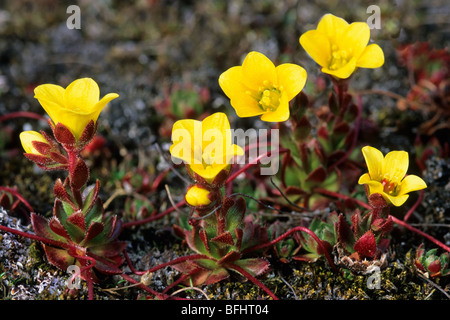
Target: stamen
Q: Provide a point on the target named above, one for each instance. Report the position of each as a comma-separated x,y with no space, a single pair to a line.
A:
339,58
269,98
388,186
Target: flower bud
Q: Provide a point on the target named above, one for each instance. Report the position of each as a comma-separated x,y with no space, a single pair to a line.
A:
197,196
29,139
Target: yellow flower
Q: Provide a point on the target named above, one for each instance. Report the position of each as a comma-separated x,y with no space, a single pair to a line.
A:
197,196
258,88
387,175
75,106
340,47
206,145
27,138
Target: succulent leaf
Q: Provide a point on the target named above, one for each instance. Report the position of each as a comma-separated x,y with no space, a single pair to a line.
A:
344,233
254,266
79,175
63,135
229,257
88,133
94,230
58,257
224,239
58,228
317,176
76,226
41,228
61,193
366,245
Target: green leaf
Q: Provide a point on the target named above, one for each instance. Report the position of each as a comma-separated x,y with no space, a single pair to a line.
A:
91,198
206,264
254,266
95,214
235,215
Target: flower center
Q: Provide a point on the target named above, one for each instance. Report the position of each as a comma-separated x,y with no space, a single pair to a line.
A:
269,96
208,159
391,181
388,187
339,58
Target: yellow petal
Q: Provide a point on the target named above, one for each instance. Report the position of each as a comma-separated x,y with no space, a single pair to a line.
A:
215,134
257,69
374,187
280,114
374,161
82,95
237,150
231,152
102,103
208,172
51,97
181,150
197,196
356,37
218,120
291,78
186,134
50,92
396,165
245,106
344,72
332,26
231,81
364,179
372,57
242,99
76,122
411,183
318,46
395,200
27,138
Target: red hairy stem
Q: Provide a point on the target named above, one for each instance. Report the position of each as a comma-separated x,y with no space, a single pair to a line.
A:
423,234
51,242
180,279
394,219
144,287
341,196
340,87
253,279
288,233
73,157
414,207
158,179
87,279
175,261
22,114
130,279
90,290
252,164
154,217
85,257
18,195
130,265
355,136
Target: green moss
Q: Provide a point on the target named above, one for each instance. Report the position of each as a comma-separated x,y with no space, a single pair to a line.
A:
36,254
